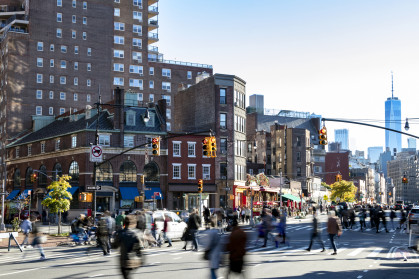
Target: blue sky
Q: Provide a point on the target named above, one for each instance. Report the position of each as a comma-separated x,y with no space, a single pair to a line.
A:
332,58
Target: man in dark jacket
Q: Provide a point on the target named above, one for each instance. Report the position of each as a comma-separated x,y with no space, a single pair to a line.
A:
194,223
316,234
237,248
129,241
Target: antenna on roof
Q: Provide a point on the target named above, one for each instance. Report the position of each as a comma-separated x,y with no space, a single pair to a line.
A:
392,84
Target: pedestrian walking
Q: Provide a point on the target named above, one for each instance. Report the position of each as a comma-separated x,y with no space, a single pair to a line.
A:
193,226
103,236
213,250
38,240
26,228
362,217
111,228
316,234
164,232
129,242
243,214
402,220
207,215
248,213
351,217
392,216
236,246
377,219
334,228
266,225
119,220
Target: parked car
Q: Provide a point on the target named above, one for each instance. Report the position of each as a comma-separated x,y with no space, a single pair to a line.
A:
176,225
413,216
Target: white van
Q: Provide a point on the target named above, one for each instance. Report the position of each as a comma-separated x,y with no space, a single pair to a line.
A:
176,226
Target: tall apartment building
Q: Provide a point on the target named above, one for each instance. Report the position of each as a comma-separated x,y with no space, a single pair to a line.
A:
60,54
342,136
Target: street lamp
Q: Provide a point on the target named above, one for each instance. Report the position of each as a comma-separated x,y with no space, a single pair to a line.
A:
146,117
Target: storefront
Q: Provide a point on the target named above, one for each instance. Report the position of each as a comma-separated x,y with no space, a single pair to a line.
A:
241,196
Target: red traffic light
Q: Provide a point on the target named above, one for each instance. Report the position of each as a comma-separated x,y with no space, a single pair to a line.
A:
323,131
155,140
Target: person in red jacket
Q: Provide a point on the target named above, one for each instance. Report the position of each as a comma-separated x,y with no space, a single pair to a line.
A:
165,231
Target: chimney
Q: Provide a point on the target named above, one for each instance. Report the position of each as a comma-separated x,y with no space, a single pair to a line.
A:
119,115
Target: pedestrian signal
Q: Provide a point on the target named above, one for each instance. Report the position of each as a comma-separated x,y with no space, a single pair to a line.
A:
155,144
323,136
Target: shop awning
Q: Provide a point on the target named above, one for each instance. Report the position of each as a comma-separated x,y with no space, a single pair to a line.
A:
268,189
24,194
291,197
129,193
12,195
150,193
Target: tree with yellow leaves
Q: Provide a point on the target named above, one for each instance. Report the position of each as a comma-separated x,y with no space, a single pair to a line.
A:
344,190
58,198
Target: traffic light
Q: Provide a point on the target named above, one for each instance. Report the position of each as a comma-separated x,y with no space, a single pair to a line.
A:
33,178
338,178
206,146
323,136
213,147
200,185
155,144
389,193
404,180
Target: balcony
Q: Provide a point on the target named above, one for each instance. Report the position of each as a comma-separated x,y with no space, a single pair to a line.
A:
153,38
153,49
153,24
151,2
153,11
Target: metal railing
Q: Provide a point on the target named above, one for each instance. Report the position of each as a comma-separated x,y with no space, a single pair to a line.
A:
153,9
153,48
153,35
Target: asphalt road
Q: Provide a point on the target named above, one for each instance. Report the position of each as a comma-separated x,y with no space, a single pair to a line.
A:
360,255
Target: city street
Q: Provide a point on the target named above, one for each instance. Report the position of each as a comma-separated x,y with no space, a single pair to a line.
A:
360,255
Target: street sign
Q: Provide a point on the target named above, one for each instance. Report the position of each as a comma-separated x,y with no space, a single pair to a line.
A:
92,188
227,189
3,193
96,154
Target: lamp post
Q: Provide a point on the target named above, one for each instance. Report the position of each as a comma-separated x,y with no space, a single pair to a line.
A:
3,189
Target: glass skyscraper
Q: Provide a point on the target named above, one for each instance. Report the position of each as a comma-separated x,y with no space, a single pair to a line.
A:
342,136
393,121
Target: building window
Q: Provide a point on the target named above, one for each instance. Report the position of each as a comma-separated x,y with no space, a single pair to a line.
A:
42,147
137,29
51,63
118,53
151,71
137,3
57,144
206,172
138,16
74,3
73,141
89,67
76,50
134,69
74,172
138,56
17,152
151,98
223,99
89,82
223,145
189,75
51,47
51,111
39,94
117,67
76,66
63,80
166,73
84,20
118,81
51,79
168,114
151,84
75,97
89,51
88,97
128,141
176,149
128,172
176,171
38,110
59,33
59,17
137,43
38,78
118,40
119,26
116,12
29,150
62,111
40,46
59,3
136,83
39,62
73,19
298,156
191,149
63,64
130,118
299,171
223,121
62,95
223,171
168,99
191,171
73,34
105,140
64,49
104,172
51,95
85,5
166,86
140,97
84,35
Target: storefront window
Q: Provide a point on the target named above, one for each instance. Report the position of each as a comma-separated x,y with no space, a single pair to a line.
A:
128,172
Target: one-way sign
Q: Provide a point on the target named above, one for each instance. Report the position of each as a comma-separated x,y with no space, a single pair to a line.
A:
92,188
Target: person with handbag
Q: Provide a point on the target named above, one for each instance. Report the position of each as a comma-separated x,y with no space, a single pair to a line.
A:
129,242
213,249
334,228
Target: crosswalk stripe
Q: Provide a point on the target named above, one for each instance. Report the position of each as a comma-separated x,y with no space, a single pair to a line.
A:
276,250
375,252
356,252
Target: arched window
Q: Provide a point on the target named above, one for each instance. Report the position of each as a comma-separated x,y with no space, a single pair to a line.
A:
151,172
28,181
104,172
128,172
42,175
16,178
74,172
57,170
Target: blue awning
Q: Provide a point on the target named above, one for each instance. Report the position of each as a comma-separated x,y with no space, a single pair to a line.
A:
12,195
24,194
150,193
129,193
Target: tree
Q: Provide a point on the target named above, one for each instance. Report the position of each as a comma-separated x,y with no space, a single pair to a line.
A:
325,185
58,199
344,190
